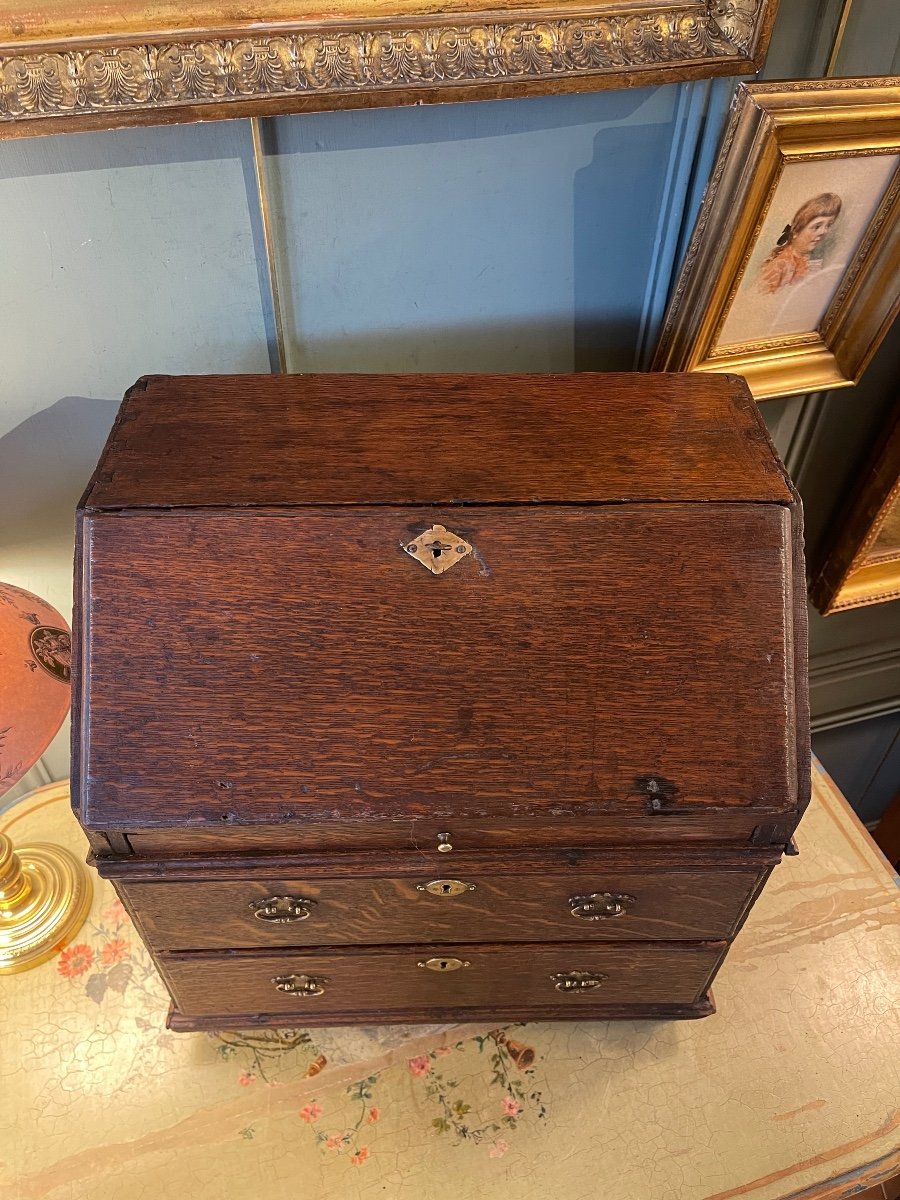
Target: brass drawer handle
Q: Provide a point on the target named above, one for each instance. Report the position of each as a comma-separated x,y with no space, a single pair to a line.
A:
282,910
445,887
300,985
599,906
577,981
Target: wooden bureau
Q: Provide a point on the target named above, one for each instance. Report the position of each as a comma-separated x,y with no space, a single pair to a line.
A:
424,698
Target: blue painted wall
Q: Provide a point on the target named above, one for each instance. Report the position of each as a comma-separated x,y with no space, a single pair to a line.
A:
518,235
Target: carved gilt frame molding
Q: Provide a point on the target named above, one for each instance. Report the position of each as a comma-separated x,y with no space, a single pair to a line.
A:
135,63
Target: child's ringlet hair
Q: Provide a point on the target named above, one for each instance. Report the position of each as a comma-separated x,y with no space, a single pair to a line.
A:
826,204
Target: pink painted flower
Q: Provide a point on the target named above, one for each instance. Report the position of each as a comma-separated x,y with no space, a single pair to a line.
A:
442,1050
374,1114
498,1149
420,1065
333,1142
114,951
309,1112
511,1107
246,1078
360,1156
75,961
114,914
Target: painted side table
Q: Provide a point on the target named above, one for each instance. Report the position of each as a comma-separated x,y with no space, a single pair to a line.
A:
792,1090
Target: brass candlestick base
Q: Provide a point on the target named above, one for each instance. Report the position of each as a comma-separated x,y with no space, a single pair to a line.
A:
45,896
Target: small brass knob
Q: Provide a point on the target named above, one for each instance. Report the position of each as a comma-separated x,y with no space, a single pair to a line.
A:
282,910
444,843
600,906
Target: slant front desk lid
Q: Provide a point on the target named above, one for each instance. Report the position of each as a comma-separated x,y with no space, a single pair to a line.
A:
309,597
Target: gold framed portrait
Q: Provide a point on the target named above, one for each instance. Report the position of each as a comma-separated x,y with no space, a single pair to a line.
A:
863,563
66,66
790,277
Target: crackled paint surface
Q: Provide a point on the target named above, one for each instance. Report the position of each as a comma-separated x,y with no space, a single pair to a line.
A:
791,1090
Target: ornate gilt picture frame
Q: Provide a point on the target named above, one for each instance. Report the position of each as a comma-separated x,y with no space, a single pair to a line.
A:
73,67
863,563
790,277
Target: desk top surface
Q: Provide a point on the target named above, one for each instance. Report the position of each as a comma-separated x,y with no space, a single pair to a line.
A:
224,440
792,1090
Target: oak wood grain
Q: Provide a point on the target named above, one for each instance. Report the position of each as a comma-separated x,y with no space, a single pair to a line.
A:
436,439
720,828
349,864
302,666
502,1012
379,979
678,905
608,694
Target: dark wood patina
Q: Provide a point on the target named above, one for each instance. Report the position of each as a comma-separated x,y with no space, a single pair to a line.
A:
604,695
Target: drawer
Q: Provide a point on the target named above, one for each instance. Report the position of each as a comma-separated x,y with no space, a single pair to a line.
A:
431,982
588,902
473,832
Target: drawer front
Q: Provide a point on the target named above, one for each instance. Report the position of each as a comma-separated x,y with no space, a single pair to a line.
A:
468,832
577,904
427,978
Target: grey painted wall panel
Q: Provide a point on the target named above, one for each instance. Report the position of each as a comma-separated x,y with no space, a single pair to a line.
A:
872,39
124,252
802,38
864,761
478,237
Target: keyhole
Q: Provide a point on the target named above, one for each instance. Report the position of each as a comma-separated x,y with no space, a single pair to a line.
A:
437,549
443,964
446,888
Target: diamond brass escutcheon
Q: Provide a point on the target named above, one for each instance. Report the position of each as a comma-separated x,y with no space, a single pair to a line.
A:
438,549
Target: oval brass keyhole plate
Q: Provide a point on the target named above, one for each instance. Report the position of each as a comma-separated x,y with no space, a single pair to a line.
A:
445,887
438,549
443,964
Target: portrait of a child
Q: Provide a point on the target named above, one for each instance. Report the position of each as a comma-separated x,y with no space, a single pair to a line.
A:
792,258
